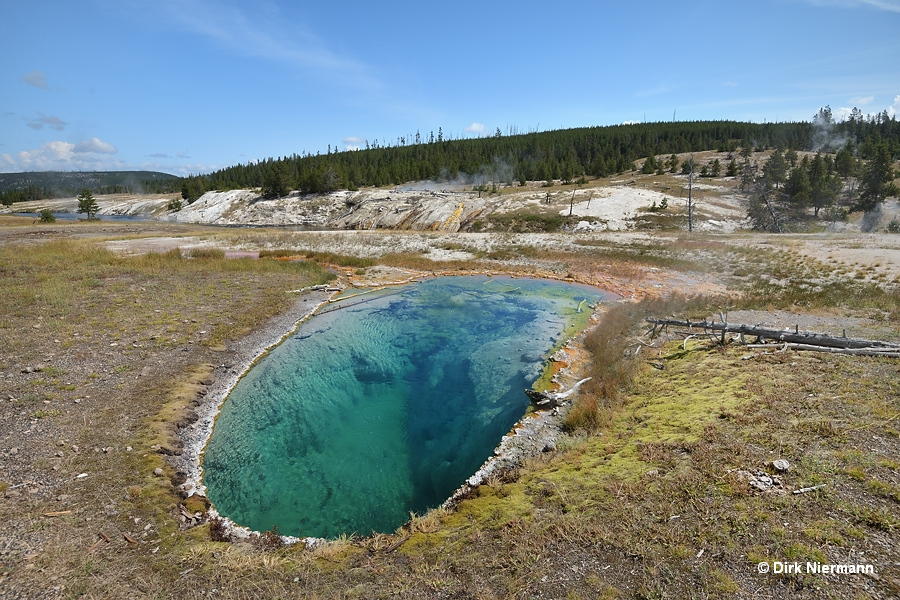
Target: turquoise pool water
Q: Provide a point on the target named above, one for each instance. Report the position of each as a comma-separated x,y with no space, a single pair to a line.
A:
383,404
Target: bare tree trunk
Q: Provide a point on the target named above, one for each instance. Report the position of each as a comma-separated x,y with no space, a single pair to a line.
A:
690,203
808,339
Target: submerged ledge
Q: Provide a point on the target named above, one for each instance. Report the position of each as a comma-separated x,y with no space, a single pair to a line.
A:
534,433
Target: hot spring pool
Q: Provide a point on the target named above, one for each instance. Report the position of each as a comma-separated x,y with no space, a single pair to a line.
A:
384,406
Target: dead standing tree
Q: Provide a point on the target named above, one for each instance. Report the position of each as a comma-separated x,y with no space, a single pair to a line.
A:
691,205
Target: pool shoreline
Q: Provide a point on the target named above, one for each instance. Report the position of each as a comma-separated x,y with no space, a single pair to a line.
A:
535,432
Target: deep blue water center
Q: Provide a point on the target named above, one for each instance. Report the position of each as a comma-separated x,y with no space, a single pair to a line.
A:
383,404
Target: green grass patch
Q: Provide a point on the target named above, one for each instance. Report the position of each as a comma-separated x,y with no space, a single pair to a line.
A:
340,260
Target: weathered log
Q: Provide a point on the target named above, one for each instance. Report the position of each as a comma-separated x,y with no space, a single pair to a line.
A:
553,399
887,352
781,335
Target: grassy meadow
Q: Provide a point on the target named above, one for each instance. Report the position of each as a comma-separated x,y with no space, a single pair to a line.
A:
647,496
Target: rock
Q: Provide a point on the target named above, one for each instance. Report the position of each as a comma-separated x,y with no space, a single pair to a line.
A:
13,451
781,464
158,471
762,482
549,446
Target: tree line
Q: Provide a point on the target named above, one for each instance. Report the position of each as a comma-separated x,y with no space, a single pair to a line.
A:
539,156
543,156
41,185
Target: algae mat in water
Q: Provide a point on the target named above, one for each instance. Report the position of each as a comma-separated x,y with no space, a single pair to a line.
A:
385,406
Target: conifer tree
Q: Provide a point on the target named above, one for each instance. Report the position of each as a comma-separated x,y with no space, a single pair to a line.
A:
277,180
87,204
877,181
798,188
775,169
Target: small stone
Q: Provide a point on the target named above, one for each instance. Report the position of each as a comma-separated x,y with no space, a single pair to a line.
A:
128,448
74,448
549,447
158,471
81,476
13,451
781,464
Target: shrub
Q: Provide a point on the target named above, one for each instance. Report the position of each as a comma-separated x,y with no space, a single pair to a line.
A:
218,531
47,216
207,253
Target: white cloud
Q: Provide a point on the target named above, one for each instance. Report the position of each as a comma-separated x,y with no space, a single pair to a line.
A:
94,145
891,5
888,5
168,167
662,88
841,114
90,155
861,100
731,84
630,122
475,128
353,142
47,121
267,34
37,79
894,109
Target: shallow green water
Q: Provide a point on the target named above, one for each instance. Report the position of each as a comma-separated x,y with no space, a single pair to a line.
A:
385,406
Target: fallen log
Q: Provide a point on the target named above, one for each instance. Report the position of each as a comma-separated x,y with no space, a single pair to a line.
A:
553,399
888,352
796,336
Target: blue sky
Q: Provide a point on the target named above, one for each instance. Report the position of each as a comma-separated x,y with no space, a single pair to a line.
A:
190,86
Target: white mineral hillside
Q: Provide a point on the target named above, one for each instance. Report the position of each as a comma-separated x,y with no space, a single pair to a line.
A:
617,207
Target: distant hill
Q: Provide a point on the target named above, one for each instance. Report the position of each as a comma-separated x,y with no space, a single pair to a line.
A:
37,185
566,154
